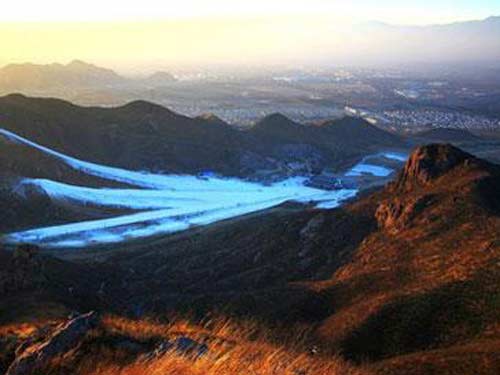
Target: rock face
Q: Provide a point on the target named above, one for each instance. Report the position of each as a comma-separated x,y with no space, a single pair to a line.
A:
397,214
427,163
66,337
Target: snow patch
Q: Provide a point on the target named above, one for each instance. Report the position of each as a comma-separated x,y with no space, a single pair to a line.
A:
365,167
375,170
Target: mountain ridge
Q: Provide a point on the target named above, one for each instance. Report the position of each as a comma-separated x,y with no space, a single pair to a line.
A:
75,75
144,135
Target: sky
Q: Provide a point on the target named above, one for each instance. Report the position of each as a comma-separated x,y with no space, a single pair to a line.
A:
401,12
129,33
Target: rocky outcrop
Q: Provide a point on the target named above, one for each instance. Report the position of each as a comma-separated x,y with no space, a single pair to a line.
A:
397,214
65,337
424,167
427,163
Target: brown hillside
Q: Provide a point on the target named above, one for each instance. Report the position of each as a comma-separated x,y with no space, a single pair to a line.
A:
428,278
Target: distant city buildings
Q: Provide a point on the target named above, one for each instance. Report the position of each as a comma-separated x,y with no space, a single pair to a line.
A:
418,118
438,118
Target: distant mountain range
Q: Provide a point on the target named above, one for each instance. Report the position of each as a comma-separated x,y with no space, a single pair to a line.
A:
471,41
72,76
372,42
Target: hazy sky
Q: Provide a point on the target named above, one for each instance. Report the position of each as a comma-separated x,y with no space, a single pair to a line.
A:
398,11
135,33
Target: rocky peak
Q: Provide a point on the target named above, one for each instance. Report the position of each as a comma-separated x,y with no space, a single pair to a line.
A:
414,189
430,162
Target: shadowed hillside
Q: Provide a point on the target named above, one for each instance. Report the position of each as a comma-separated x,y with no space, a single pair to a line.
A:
142,135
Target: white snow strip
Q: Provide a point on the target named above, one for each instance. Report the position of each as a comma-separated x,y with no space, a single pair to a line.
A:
395,156
365,167
171,203
375,170
242,193
150,223
137,178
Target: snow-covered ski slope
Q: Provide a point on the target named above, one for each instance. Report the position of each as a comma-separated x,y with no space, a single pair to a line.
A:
164,203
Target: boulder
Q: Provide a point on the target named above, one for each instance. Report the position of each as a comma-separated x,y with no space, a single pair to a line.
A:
64,338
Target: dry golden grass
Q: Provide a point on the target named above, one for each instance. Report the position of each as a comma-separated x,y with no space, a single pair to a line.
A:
243,347
20,330
257,359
